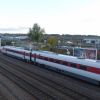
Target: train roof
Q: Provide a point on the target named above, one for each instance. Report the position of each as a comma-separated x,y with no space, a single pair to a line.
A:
16,48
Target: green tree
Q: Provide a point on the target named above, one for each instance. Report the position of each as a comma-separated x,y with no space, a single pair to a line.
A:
35,33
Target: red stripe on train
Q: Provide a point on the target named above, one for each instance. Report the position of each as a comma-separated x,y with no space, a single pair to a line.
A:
33,55
89,69
94,70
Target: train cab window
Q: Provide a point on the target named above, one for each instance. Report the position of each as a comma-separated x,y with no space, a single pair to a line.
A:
73,65
83,67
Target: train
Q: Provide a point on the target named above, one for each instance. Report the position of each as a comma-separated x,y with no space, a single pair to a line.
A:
84,69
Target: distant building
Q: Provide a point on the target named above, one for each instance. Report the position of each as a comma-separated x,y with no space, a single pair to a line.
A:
91,40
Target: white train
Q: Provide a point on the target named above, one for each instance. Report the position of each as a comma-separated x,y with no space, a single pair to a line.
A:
85,69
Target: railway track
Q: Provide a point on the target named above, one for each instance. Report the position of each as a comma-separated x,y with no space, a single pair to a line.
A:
50,83
38,94
59,88
28,83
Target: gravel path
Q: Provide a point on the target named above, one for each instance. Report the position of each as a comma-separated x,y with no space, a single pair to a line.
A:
12,91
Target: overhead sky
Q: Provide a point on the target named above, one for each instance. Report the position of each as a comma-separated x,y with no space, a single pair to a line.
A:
55,16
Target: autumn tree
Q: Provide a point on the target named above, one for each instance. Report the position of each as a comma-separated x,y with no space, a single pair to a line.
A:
52,41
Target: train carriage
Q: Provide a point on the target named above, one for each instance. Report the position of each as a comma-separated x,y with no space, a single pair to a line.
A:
85,69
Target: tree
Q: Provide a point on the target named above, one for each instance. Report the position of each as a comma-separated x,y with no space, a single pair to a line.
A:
35,33
52,41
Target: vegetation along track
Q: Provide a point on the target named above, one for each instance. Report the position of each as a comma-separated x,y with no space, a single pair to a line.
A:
74,91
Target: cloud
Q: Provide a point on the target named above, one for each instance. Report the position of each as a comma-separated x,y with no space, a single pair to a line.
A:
14,30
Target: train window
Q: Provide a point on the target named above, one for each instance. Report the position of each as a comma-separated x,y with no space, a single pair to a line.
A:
27,54
65,63
83,67
73,65
43,58
46,58
57,61
40,57
37,56
51,59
